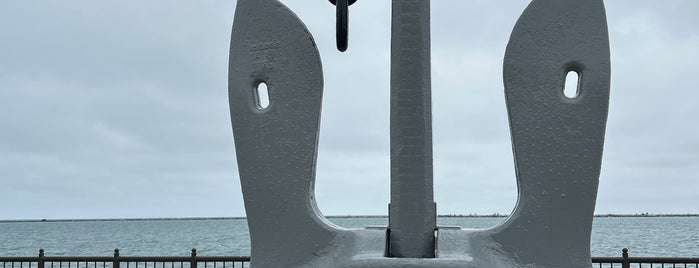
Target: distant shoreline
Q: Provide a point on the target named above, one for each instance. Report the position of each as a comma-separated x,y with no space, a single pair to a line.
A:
642,215
127,219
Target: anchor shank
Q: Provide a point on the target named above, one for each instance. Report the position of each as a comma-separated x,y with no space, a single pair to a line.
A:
412,212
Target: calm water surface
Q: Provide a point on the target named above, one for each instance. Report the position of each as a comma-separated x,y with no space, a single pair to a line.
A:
644,236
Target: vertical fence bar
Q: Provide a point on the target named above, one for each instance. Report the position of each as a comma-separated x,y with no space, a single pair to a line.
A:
625,255
193,262
40,262
115,263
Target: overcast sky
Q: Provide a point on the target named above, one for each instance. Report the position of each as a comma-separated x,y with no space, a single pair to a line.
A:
120,108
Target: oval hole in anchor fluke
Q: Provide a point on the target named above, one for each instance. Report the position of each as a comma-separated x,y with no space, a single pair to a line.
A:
261,95
571,88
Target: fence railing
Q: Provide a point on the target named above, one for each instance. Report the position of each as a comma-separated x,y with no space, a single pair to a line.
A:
117,261
625,261
194,261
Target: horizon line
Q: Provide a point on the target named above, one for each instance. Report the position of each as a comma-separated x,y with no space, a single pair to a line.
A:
494,215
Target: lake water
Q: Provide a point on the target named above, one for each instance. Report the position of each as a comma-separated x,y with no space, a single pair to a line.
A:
644,236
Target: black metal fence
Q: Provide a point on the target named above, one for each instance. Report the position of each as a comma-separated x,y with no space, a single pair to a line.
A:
194,261
655,262
117,261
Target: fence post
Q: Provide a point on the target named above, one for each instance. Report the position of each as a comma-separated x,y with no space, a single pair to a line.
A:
193,262
625,255
115,264
40,263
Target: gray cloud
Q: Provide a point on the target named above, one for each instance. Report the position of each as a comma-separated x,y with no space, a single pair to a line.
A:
120,109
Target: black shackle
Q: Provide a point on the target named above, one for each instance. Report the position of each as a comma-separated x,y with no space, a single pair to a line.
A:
341,22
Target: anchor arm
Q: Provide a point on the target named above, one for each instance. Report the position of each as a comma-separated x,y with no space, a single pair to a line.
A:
276,145
557,140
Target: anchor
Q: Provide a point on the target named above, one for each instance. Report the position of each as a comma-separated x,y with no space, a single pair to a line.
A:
557,142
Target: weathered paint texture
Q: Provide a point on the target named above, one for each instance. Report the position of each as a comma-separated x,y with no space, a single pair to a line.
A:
412,214
557,142
276,146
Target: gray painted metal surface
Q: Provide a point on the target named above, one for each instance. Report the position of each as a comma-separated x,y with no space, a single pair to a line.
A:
557,143
276,146
412,214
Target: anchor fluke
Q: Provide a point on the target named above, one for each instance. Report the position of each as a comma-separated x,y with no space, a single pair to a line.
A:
276,145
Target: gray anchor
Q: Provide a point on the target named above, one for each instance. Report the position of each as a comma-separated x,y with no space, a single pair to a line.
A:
557,142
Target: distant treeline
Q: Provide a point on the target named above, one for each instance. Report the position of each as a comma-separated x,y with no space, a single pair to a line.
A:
440,216
645,215
495,215
128,219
